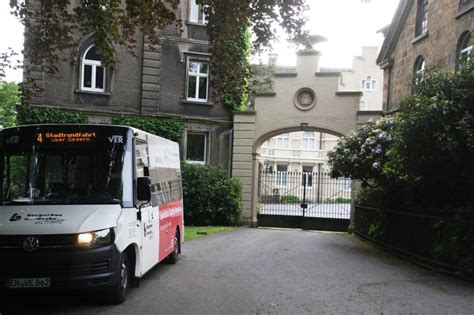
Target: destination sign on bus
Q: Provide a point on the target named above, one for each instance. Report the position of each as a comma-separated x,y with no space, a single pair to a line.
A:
66,137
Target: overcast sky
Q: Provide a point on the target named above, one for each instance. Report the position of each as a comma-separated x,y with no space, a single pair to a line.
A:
347,24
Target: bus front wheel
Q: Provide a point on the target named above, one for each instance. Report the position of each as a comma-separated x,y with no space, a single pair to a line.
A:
118,291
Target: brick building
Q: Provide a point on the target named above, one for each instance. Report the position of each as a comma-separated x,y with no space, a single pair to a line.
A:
423,33
170,81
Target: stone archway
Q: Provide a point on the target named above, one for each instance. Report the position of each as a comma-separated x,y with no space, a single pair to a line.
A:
305,99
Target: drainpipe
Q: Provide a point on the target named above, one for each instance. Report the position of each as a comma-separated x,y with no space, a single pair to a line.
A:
389,85
231,151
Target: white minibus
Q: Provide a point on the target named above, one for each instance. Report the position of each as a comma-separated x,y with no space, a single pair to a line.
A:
86,207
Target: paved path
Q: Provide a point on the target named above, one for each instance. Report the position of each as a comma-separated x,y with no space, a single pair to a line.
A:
251,271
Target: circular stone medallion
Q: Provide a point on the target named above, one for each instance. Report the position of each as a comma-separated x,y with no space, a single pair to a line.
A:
305,99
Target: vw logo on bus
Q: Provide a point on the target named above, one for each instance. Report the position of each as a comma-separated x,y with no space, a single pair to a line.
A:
31,243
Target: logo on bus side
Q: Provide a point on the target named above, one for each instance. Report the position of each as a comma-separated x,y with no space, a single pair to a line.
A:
116,139
15,217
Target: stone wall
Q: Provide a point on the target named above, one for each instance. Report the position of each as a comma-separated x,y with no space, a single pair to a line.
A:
446,23
331,112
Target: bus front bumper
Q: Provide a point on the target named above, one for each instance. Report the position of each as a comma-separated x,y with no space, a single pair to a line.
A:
73,268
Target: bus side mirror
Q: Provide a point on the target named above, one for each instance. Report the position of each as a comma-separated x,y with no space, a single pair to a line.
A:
144,189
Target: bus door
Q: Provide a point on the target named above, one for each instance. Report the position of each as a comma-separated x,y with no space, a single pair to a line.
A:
149,214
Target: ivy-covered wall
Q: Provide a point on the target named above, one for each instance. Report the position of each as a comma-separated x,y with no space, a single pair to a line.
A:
166,128
31,116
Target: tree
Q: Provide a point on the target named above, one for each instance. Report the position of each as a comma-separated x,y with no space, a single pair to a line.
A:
436,132
8,99
424,154
51,26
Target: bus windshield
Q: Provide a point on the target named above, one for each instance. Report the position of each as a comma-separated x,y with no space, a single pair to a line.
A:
64,173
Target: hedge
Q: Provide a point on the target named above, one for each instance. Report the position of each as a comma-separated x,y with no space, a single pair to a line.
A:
211,196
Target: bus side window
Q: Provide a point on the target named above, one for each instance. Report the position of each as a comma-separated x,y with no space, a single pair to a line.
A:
142,164
160,197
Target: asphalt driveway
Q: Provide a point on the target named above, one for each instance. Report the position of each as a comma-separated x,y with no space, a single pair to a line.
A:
259,271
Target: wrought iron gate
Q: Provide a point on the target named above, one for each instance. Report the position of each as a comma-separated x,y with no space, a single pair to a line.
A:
309,200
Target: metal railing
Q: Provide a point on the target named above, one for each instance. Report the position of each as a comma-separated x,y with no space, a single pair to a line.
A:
415,235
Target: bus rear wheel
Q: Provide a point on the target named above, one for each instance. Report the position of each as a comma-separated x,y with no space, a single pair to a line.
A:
118,291
174,256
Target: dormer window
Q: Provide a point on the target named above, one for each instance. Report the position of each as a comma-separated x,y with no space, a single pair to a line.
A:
93,73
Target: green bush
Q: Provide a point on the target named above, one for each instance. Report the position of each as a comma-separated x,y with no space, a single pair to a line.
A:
211,197
456,241
166,128
424,153
342,200
435,150
289,199
31,116
426,164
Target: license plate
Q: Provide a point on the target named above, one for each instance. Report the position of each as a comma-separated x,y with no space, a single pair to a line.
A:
29,283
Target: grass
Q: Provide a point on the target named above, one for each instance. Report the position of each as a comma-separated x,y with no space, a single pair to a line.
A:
196,232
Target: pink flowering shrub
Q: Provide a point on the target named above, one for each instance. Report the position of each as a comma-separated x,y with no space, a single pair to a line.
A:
424,153
365,153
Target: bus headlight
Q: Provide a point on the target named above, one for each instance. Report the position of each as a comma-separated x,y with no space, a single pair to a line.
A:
94,239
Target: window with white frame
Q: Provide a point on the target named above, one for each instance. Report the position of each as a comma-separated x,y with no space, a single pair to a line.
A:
92,71
198,81
196,13
309,140
283,141
368,84
282,174
196,148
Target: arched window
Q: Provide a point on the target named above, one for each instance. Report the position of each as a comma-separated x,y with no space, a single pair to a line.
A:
368,84
93,73
419,69
465,45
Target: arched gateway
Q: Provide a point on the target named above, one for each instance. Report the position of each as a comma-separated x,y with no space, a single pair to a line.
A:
305,99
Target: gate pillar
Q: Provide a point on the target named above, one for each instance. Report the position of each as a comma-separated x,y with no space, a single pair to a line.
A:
243,162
